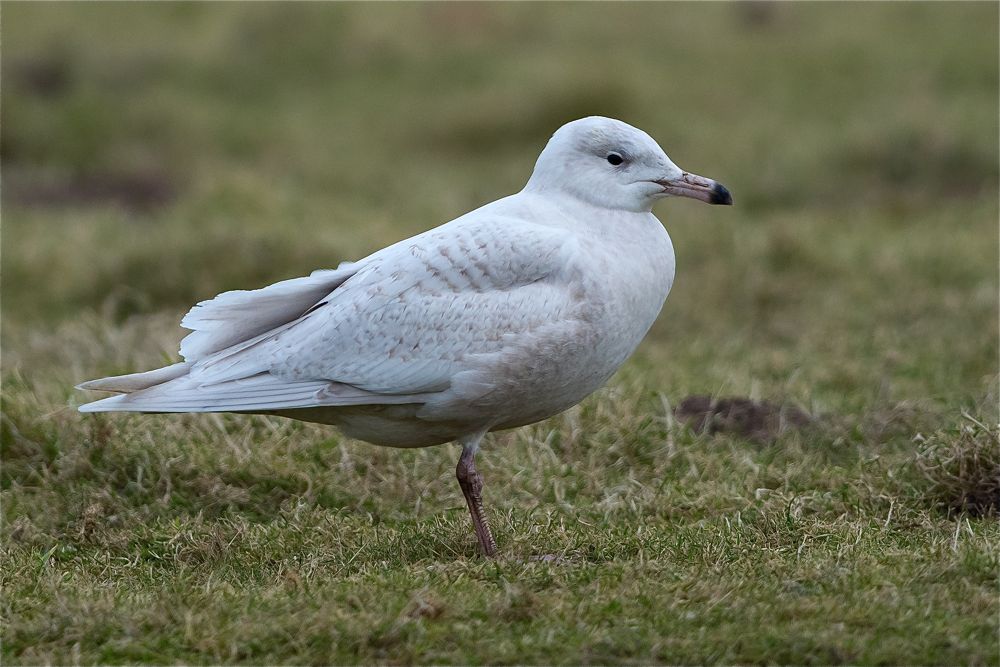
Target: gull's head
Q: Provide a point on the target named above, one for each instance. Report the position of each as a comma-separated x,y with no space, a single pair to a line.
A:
611,164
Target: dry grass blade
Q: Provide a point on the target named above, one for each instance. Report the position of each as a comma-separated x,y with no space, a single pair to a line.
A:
961,467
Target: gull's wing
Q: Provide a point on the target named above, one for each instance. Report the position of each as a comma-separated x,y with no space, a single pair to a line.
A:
397,329
240,315
403,323
232,318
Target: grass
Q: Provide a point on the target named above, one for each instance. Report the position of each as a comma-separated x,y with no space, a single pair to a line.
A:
155,155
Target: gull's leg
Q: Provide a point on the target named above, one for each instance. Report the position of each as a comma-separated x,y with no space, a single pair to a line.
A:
472,486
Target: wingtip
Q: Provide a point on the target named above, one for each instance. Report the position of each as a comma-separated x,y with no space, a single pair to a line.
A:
99,385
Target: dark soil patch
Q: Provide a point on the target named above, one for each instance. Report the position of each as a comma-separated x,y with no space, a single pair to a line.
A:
759,421
46,76
135,191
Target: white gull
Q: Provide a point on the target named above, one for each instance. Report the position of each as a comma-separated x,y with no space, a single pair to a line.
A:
502,317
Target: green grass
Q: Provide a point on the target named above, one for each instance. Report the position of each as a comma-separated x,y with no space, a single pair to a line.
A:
154,155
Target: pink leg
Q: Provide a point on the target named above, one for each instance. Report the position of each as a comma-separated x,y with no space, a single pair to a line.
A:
472,486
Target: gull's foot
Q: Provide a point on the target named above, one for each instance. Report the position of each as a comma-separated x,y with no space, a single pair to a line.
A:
555,559
548,558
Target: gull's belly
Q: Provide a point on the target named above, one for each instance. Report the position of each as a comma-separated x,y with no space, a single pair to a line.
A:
547,386
549,381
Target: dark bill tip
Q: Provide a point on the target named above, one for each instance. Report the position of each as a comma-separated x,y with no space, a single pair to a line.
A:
720,195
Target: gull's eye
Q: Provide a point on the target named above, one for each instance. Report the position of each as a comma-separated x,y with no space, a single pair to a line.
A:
615,159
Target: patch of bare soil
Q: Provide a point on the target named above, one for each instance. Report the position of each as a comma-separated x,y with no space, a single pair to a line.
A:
759,421
45,76
134,191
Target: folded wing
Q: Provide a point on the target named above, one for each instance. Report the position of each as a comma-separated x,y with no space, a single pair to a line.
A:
240,315
393,328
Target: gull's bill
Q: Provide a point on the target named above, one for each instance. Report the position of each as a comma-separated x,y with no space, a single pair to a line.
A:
697,187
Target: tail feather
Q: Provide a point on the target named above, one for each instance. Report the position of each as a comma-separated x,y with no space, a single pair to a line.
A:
127,384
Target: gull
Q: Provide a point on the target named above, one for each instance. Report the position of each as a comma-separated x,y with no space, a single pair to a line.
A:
503,317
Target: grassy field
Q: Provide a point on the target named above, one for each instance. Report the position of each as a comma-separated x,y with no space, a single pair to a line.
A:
155,155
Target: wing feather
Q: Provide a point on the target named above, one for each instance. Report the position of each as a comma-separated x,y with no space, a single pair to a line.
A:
255,394
241,315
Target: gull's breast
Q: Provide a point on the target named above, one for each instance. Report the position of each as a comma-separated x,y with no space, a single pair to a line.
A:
619,285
